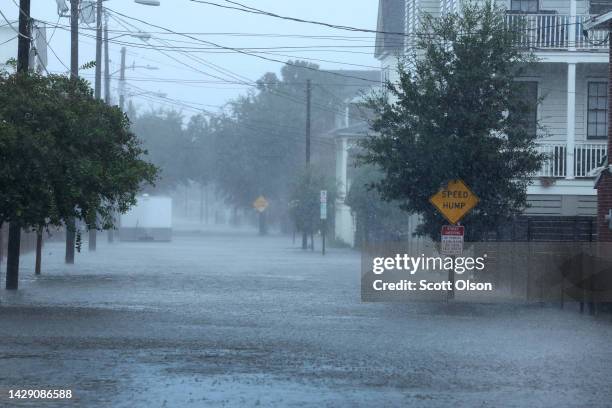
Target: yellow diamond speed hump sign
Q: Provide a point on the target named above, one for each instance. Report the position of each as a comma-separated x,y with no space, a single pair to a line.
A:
454,200
260,204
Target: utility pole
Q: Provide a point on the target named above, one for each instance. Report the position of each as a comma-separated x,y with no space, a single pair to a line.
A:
23,50
98,80
98,95
23,64
74,75
308,114
110,234
107,94
122,80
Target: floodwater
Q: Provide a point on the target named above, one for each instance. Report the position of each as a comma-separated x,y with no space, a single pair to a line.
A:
229,319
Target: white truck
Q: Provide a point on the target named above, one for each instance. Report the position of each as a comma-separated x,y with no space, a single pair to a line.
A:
149,220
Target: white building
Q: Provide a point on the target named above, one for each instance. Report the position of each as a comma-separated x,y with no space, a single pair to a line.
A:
8,45
571,78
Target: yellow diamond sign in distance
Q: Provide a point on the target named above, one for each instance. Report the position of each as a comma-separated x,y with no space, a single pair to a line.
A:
454,201
260,204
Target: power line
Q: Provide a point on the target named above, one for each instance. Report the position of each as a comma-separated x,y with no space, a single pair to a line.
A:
10,24
242,79
241,51
9,40
251,10
266,128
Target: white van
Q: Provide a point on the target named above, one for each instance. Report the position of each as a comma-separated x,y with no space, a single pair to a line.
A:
149,220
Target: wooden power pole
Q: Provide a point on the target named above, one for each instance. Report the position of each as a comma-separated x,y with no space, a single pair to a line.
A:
74,75
23,64
308,130
92,244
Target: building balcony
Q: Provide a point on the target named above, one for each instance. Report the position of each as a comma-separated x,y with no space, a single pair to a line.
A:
555,32
587,157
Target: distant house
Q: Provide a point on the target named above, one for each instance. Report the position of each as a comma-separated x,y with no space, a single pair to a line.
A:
355,126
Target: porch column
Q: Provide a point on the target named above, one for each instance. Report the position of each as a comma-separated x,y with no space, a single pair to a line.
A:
572,26
344,228
571,121
341,167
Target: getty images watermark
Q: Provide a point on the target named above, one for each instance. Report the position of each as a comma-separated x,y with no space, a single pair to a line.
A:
488,272
410,265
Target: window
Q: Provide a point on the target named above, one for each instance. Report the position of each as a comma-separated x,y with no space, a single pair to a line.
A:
525,6
599,6
385,75
528,116
597,115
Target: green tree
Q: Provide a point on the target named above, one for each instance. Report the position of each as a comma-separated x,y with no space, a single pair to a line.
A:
261,141
169,146
376,218
64,154
201,136
305,205
456,112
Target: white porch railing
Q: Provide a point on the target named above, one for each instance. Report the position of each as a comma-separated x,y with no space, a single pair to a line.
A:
554,165
587,156
554,31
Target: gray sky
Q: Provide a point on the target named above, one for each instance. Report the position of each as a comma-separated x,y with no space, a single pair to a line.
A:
187,16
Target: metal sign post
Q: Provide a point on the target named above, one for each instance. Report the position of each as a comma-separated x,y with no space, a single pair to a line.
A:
451,244
323,219
261,204
454,202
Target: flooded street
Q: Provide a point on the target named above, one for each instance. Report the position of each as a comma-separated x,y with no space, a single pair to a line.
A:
227,318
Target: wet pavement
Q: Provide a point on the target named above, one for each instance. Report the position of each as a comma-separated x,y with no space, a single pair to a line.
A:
229,319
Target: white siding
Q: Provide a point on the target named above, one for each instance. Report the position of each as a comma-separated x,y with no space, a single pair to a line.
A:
552,88
389,64
561,205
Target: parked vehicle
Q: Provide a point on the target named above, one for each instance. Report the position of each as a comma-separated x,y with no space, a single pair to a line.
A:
149,220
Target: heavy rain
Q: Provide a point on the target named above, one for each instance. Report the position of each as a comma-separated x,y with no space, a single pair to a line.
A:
382,203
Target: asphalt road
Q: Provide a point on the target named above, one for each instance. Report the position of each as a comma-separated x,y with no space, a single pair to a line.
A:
229,319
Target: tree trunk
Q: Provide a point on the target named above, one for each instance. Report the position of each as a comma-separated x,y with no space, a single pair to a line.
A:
206,204
39,240
304,240
1,243
12,260
93,239
201,204
110,233
186,209
263,227
70,238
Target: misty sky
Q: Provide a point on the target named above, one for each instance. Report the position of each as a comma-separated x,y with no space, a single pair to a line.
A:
191,84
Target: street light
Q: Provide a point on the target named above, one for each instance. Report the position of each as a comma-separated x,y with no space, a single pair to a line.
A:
156,94
140,35
147,2
133,66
